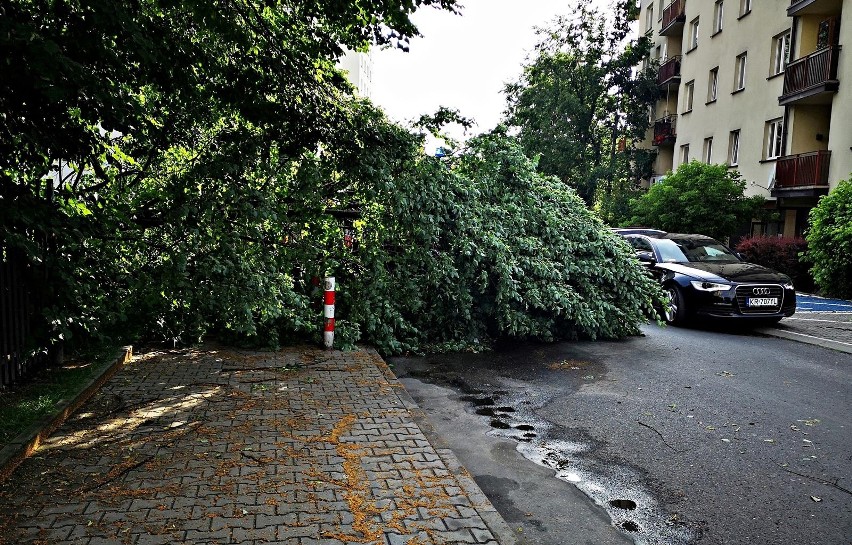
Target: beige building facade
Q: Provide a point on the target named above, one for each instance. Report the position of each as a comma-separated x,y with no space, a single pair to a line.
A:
762,86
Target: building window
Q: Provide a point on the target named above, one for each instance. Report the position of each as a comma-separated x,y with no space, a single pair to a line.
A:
649,18
693,34
712,85
780,52
708,150
734,148
684,154
774,138
745,7
740,72
662,8
718,17
688,96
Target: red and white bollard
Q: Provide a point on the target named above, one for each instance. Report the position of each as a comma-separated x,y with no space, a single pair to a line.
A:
328,312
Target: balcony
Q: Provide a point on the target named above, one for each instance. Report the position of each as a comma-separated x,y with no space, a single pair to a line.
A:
802,175
669,73
674,16
814,7
665,131
811,79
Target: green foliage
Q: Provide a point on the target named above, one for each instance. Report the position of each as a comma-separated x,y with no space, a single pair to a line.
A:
489,248
153,156
24,405
581,95
697,198
830,241
175,171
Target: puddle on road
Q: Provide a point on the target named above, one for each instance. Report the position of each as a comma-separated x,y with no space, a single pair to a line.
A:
630,506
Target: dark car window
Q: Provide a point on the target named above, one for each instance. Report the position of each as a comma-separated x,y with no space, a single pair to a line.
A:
681,250
640,244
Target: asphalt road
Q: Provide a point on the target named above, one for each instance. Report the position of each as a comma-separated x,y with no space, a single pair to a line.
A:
683,436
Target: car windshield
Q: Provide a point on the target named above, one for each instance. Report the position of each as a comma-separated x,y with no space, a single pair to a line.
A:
683,250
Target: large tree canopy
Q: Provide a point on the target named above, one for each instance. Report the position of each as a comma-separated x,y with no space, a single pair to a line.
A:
580,94
173,130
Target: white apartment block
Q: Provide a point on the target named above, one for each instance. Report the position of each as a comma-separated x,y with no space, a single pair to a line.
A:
763,86
359,70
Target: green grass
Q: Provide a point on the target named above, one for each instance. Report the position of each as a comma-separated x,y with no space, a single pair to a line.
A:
24,404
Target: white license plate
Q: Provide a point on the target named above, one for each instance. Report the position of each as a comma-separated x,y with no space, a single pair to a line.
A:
762,302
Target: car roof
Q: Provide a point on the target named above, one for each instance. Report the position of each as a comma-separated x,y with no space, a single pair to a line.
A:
686,236
637,231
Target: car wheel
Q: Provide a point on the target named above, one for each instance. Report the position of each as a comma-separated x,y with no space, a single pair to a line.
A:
675,312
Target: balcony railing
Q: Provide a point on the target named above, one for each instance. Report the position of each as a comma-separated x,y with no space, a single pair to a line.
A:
803,170
665,130
674,13
810,72
669,70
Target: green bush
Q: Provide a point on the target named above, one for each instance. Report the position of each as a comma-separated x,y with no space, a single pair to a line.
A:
697,198
830,241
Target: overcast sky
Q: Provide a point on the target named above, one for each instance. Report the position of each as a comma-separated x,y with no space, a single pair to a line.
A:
462,61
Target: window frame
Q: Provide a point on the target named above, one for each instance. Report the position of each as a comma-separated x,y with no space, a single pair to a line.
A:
693,34
689,96
740,67
784,39
713,85
684,154
734,147
707,151
745,8
774,139
718,16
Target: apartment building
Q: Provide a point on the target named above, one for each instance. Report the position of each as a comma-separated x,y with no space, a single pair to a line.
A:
762,86
359,70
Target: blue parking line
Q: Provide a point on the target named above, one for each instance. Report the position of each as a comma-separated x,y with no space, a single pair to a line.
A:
812,303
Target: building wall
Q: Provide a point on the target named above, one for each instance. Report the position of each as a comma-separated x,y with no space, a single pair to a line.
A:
358,67
809,129
821,123
746,110
840,137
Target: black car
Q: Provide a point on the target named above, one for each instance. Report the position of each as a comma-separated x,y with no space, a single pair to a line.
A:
702,277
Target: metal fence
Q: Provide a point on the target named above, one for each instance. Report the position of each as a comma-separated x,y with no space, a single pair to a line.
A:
17,356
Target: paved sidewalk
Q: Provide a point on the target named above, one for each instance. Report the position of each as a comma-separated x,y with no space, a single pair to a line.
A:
218,446
818,320
827,329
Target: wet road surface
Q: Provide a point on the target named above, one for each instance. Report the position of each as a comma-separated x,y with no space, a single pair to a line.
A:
682,436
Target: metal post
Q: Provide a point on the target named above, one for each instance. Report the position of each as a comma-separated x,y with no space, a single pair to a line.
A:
328,312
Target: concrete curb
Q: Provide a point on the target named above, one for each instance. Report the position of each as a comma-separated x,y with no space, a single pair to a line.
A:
28,441
807,339
499,528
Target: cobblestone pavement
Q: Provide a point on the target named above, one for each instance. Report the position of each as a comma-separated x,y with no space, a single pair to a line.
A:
219,446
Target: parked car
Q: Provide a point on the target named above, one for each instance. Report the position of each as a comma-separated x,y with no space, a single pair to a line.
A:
703,277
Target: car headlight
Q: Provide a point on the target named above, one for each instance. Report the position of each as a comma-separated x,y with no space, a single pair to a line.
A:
702,285
789,286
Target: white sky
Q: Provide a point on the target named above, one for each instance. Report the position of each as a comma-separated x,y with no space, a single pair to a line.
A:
462,61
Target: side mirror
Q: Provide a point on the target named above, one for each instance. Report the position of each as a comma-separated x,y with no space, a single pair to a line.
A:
646,257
